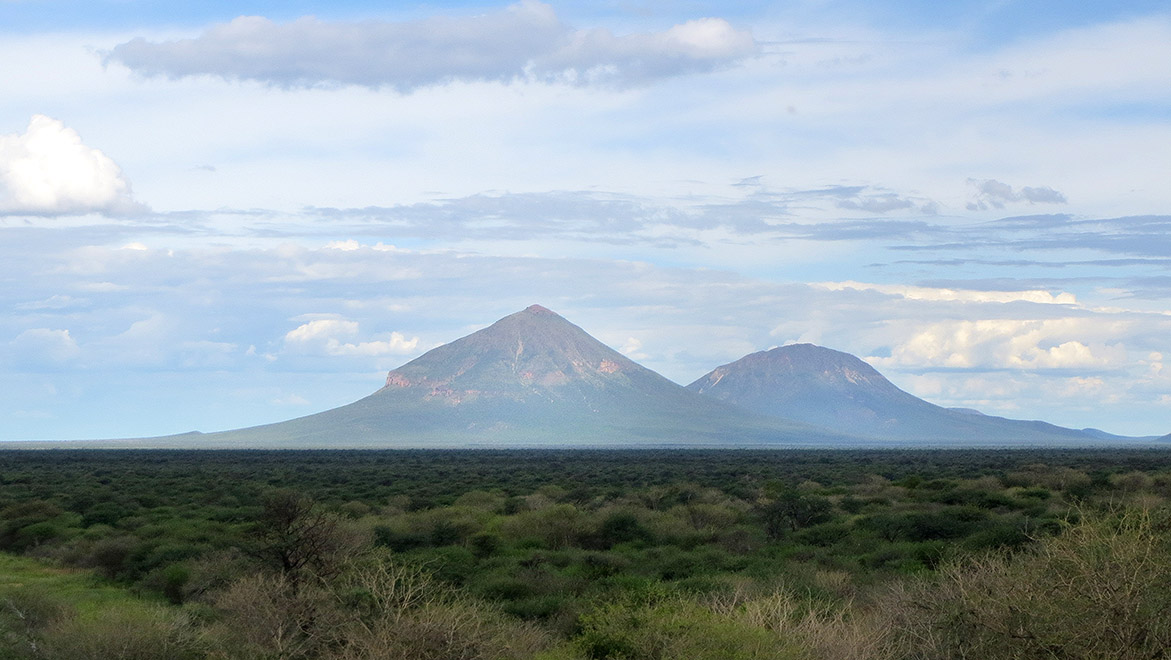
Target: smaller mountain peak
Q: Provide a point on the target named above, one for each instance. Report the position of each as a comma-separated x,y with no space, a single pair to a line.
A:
806,356
538,309
803,347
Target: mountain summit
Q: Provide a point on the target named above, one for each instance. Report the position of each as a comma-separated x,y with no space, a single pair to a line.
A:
532,355
530,379
840,392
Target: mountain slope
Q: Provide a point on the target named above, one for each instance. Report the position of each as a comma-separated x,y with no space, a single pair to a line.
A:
838,391
531,378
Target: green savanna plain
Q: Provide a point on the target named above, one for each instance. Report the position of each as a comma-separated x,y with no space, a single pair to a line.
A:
552,554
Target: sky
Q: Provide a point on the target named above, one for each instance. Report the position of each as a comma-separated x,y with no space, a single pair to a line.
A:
216,215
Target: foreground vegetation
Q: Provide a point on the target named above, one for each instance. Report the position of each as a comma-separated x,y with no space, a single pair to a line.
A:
559,555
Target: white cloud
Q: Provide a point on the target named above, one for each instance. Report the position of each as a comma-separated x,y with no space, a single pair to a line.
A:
599,55
632,348
1011,344
910,292
47,170
999,394
1154,365
147,342
321,330
328,337
45,344
524,41
396,344
348,245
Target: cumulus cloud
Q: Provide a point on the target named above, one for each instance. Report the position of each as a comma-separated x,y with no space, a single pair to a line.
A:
45,344
1069,343
329,337
1001,394
524,41
47,170
993,194
632,348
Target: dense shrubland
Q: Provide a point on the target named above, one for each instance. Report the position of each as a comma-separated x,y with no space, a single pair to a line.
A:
585,555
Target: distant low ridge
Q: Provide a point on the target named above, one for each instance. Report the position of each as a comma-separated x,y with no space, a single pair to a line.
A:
838,391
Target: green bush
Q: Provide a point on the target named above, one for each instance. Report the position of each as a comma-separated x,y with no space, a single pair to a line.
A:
824,535
672,629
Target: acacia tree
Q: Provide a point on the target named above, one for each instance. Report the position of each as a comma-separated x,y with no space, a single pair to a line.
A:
292,612
298,537
791,510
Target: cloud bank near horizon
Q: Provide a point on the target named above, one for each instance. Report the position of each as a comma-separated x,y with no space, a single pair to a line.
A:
304,316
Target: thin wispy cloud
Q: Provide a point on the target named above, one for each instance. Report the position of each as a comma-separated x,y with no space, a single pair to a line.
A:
993,194
609,217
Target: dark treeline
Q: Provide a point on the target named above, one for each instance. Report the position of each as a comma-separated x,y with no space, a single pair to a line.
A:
438,476
561,554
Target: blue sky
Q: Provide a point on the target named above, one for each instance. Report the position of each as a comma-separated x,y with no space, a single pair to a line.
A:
214,215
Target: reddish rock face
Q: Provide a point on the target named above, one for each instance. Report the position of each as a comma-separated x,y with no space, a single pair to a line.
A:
394,379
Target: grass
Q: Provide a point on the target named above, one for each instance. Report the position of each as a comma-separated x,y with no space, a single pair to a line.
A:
87,594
